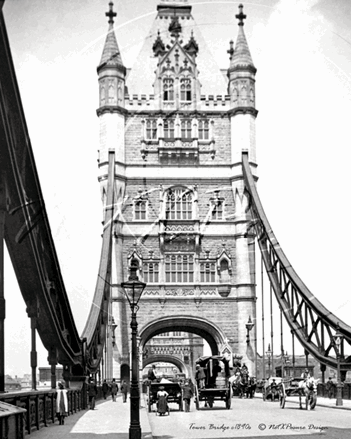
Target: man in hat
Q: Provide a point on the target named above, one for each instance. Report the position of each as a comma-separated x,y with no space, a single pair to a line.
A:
151,374
92,393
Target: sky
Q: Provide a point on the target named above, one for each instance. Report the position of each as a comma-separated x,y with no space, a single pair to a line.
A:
302,51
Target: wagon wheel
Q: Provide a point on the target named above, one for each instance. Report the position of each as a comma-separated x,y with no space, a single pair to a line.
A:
228,401
197,400
149,401
282,396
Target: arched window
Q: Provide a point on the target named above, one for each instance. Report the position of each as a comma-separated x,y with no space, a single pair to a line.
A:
203,129
151,129
168,129
168,89
102,94
186,129
185,89
179,268
224,270
207,272
179,204
150,272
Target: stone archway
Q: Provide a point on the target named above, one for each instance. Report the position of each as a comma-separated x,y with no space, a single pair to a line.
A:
167,358
192,324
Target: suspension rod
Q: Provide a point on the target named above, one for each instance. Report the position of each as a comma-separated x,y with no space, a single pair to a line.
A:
272,331
263,342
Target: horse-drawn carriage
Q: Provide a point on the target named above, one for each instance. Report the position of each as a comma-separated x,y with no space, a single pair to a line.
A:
242,383
306,388
173,389
271,389
213,383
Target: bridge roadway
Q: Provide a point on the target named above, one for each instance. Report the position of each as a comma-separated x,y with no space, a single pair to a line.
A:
110,420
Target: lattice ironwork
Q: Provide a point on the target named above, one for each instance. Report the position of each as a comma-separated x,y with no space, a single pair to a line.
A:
309,320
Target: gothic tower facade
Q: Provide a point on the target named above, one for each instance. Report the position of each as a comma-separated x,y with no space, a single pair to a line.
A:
177,126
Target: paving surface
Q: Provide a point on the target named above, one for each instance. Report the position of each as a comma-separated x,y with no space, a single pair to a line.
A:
108,420
111,420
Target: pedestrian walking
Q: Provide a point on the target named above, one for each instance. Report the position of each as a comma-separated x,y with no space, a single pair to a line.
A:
114,390
329,388
200,377
105,388
187,395
61,403
92,393
124,390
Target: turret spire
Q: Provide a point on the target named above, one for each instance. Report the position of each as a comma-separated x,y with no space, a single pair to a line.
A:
240,56
111,54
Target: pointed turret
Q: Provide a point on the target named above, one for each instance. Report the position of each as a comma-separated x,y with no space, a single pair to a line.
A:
241,72
111,111
241,88
111,70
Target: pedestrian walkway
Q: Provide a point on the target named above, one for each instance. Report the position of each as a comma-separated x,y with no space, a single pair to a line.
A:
108,420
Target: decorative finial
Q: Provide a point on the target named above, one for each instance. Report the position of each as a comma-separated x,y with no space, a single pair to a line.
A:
241,16
231,49
110,14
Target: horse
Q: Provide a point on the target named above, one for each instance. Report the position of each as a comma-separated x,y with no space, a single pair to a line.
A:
308,388
243,384
251,388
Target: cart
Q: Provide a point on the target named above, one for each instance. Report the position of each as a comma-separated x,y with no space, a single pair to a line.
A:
173,389
271,389
291,387
217,386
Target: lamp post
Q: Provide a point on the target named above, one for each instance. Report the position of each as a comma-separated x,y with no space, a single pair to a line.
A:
338,341
249,326
285,362
269,354
133,289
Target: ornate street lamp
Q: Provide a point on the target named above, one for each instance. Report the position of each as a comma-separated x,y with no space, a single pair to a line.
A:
113,327
133,289
249,327
285,361
269,354
338,337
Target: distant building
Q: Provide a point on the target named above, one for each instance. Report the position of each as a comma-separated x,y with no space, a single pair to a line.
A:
12,384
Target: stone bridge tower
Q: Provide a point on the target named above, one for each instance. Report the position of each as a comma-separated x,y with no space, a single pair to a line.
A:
178,125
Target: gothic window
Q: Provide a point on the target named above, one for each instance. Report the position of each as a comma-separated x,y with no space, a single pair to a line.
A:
140,210
111,93
164,334
168,89
224,270
185,89
179,268
207,272
252,97
186,129
243,95
102,95
177,333
168,129
217,210
151,129
150,272
179,204
204,129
